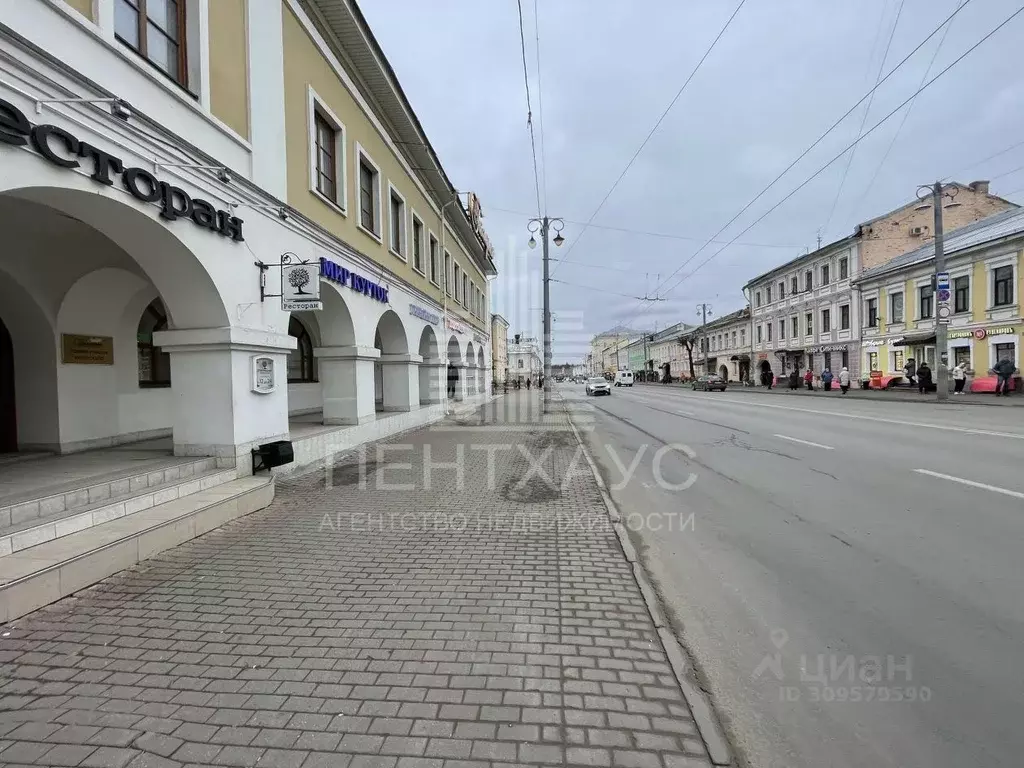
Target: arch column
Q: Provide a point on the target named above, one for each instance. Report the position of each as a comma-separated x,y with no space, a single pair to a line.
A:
433,380
214,410
346,376
401,381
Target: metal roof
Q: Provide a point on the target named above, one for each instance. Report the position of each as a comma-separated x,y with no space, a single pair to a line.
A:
998,227
343,25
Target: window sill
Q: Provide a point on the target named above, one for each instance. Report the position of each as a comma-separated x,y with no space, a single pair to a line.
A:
154,385
397,254
370,233
338,208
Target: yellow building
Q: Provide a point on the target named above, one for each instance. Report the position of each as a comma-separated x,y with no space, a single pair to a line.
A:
898,305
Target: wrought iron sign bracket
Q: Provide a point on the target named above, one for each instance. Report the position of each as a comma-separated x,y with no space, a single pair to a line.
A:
287,259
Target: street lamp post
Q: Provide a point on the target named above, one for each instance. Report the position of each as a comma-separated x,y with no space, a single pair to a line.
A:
544,225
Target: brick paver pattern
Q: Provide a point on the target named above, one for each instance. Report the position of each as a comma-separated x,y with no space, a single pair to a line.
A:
461,625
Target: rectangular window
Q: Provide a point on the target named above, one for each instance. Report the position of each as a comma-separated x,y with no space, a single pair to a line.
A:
810,323
844,268
962,356
396,231
808,280
768,326
417,244
155,29
465,290
768,295
1005,352
828,361
871,310
962,294
896,308
782,291
794,288
826,320
326,157
743,337
448,273
872,361
458,283
759,334
846,359
844,317
432,248
926,296
782,330
897,360
824,274
734,339
369,192
1003,286
795,323
758,298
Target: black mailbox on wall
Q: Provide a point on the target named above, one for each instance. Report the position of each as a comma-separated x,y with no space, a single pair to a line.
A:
270,455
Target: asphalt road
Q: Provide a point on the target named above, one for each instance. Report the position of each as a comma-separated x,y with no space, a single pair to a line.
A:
826,536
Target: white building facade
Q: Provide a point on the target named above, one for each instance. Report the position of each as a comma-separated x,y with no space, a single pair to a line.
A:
137,195
524,361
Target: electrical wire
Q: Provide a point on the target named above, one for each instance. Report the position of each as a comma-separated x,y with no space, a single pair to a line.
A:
864,119
976,163
657,125
1007,173
540,112
529,106
599,290
906,115
822,169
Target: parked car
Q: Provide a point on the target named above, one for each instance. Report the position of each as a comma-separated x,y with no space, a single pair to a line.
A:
709,382
598,386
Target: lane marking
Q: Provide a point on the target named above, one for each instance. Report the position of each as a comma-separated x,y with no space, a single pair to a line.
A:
972,483
859,417
806,442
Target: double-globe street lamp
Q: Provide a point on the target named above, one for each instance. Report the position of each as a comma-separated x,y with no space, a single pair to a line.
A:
544,225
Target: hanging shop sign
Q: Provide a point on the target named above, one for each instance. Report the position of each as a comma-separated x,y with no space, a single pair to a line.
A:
424,314
300,287
63,149
344,276
86,350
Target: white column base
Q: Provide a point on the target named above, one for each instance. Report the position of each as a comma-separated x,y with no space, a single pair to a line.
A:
346,376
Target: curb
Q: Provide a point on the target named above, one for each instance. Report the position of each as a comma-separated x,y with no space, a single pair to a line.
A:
708,727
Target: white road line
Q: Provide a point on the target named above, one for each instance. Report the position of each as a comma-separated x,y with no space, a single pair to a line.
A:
862,417
806,442
972,483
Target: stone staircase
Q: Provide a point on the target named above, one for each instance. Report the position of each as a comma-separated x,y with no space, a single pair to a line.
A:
65,538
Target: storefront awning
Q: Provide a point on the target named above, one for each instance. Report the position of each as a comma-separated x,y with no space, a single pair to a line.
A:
915,338
740,358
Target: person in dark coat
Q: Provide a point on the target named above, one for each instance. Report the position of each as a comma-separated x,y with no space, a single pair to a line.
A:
1004,370
826,380
453,380
924,378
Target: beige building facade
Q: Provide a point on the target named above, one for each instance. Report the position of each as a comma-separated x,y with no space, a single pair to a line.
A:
499,349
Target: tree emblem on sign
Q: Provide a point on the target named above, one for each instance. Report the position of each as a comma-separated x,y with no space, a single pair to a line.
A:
297,279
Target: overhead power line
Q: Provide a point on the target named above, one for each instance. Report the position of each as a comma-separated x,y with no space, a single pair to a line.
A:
864,119
657,125
600,290
822,169
529,106
983,160
540,112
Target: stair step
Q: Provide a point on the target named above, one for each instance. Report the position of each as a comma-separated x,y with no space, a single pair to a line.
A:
48,572
34,532
112,486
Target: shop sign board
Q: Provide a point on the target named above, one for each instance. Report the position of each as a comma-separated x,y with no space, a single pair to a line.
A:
344,276
300,287
263,375
424,314
86,350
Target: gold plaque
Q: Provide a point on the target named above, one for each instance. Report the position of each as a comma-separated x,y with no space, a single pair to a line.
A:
86,350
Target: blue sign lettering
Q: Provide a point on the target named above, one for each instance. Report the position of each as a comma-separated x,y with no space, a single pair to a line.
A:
339,274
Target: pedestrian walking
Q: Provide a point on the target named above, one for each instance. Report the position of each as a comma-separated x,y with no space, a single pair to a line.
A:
453,380
959,378
844,380
826,380
924,378
527,383
1004,370
809,380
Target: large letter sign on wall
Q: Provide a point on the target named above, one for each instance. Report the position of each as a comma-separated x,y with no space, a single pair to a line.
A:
339,274
65,151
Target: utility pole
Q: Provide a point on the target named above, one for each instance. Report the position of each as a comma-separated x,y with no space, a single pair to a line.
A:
702,312
545,224
942,296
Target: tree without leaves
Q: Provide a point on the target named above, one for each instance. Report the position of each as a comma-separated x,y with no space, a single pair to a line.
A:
688,341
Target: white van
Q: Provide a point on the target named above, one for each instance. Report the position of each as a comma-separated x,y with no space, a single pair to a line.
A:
623,378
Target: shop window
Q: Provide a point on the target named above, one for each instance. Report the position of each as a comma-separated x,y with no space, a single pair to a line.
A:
155,29
1006,352
962,294
301,363
432,249
896,308
1003,286
897,360
872,361
925,298
962,355
844,317
154,363
844,268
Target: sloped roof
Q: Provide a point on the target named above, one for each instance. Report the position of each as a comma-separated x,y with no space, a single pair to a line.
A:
996,227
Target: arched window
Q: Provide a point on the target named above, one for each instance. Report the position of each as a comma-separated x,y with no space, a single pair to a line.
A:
154,363
301,363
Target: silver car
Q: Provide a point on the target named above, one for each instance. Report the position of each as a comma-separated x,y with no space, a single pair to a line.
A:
598,386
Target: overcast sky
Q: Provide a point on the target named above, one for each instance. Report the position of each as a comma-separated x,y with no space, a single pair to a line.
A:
784,71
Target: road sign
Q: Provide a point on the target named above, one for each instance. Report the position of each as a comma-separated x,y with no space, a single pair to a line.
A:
943,294
942,281
944,315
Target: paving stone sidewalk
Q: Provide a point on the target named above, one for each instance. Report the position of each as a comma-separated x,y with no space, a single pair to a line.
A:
481,616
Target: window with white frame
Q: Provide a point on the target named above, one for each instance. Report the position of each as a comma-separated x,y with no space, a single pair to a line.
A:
326,153
794,287
1002,286
844,317
826,320
757,298
824,274
768,330
810,323
396,222
896,307
759,334
962,294
844,268
448,273
157,31
417,243
794,323
369,194
458,283
782,330
925,297
465,287
432,255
